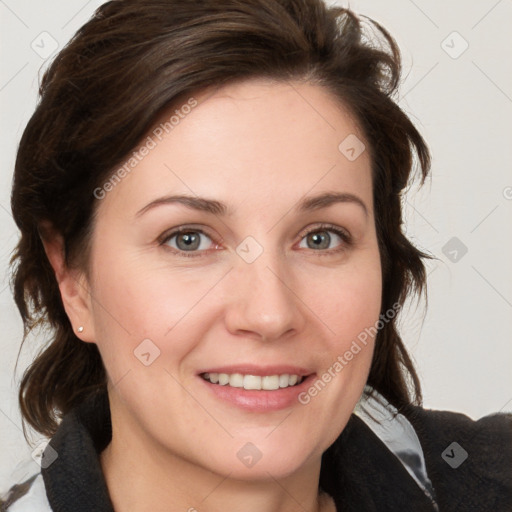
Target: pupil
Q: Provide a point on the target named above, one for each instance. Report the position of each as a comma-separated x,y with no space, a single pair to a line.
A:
317,238
189,240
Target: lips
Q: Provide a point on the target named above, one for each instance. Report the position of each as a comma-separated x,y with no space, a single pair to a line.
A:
258,400
257,388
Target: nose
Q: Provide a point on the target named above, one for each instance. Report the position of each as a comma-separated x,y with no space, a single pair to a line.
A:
263,303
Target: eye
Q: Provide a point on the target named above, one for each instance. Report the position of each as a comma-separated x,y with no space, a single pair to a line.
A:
187,240
191,242
321,239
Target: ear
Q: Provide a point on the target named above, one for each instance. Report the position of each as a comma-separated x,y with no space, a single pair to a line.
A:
73,285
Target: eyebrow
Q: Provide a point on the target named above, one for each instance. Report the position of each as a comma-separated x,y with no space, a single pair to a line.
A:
218,208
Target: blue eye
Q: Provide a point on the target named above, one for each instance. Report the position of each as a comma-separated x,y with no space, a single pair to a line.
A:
321,239
192,242
187,240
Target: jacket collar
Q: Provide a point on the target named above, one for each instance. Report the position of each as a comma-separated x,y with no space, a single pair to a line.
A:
75,481
377,462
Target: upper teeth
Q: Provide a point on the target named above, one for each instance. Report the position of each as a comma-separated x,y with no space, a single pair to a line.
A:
269,382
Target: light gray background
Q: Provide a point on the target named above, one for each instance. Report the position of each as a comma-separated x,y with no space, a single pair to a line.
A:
463,108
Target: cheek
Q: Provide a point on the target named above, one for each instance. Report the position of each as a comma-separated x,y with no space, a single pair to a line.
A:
138,298
134,301
349,308
348,300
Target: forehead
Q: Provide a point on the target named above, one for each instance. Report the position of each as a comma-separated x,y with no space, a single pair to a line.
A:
251,142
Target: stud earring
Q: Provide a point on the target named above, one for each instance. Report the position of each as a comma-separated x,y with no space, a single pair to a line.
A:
80,329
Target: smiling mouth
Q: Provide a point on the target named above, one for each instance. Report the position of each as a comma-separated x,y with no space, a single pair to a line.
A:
254,382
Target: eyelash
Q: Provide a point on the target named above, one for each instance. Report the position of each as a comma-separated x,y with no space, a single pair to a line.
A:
344,236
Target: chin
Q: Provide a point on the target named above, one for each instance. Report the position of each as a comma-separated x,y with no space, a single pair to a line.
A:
252,462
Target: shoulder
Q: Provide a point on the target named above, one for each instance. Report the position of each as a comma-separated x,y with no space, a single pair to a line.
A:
488,439
455,422
28,496
469,461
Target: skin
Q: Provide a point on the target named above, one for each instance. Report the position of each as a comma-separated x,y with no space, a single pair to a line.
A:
259,147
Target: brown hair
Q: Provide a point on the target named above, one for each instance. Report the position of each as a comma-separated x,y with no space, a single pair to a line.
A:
106,88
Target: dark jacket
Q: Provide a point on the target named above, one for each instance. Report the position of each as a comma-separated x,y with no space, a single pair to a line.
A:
358,470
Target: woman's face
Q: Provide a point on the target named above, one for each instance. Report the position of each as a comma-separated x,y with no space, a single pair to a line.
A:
264,281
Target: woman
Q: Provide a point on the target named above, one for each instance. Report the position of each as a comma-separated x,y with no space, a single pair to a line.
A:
209,202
